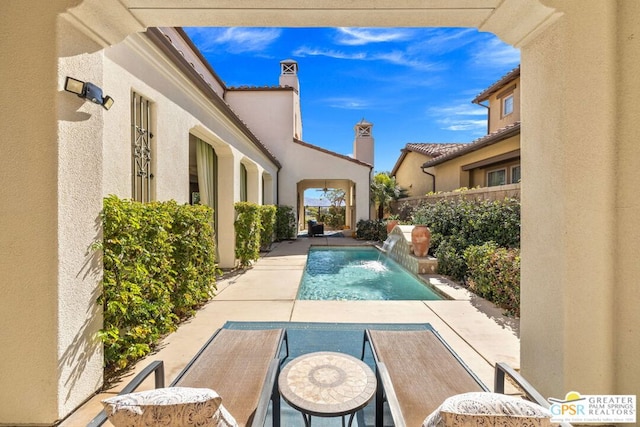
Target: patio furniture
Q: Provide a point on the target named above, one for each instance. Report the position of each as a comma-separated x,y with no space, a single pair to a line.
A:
417,371
240,365
314,228
327,384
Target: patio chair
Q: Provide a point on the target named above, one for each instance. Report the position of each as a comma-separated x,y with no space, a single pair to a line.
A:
314,228
418,371
240,365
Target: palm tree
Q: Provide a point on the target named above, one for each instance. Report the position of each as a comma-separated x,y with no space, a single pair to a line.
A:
384,190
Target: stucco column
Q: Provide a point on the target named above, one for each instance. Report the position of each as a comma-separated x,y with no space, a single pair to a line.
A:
229,193
51,165
580,240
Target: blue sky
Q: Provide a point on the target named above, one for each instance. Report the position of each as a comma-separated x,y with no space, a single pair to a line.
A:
413,84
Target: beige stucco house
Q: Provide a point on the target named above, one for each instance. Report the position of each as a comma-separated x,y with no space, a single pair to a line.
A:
60,155
494,159
408,168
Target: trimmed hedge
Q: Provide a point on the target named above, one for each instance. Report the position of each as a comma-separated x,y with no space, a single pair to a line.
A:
267,225
456,224
285,227
494,273
159,265
247,227
371,229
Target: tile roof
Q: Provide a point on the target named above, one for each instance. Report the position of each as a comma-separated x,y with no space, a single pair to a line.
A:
485,94
431,149
490,139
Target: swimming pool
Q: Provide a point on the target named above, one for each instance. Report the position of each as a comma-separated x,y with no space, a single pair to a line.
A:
358,273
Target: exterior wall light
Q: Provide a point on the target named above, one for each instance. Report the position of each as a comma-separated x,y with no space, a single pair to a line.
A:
88,91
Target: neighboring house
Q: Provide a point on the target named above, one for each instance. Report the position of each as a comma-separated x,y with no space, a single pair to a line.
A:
408,172
493,159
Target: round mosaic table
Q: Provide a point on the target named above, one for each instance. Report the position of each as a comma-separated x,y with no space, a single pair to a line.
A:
327,384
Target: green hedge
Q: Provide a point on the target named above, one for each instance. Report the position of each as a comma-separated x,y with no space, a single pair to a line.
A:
371,229
494,273
456,224
159,265
267,225
247,227
285,226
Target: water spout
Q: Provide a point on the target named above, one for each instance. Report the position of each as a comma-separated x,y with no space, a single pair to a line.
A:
388,244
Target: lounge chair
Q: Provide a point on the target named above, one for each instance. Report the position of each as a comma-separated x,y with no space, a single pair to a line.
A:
417,371
240,365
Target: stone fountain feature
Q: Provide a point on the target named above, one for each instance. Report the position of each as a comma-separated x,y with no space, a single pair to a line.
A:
398,248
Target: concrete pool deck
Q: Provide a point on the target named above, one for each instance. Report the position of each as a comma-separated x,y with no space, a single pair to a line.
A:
475,329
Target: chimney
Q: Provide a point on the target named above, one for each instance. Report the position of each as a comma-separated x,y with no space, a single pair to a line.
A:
289,74
363,143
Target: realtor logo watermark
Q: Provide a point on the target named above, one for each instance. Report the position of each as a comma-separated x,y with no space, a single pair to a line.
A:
576,408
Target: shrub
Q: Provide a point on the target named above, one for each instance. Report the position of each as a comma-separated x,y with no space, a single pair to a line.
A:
285,226
371,230
450,260
247,227
194,256
494,273
335,217
267,225
158,265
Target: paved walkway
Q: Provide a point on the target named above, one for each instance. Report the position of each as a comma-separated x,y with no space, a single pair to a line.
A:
474,328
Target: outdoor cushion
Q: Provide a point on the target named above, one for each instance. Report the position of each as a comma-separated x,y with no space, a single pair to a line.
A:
173,406
488,409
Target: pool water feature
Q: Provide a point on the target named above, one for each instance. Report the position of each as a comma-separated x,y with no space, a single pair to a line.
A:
359,273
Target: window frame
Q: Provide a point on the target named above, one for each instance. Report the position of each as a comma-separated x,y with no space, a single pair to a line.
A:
505,99
519,173
489,172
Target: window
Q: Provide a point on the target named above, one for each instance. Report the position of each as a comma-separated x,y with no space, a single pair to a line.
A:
515,174
497,177
141,148
507,105
243,183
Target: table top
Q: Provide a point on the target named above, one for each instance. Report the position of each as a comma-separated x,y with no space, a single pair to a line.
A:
327,384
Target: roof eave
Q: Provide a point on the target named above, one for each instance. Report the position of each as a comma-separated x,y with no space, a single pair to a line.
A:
476,145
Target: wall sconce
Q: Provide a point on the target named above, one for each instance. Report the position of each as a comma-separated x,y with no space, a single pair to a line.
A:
88,91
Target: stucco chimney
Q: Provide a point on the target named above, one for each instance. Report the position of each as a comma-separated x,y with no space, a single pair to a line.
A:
363,143
289,74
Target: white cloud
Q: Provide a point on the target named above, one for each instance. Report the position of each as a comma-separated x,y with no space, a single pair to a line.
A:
461,116
466,109
360,36
460,124
308,51
347,103
494,53
233,40
392,57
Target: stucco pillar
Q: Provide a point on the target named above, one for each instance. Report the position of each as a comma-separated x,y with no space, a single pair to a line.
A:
579,201
51,165
229,193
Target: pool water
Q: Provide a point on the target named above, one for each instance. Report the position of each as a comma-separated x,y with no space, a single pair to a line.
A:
362,273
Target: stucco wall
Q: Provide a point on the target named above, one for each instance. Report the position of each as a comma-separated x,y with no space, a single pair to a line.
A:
269,114
569,267
410,176
496,120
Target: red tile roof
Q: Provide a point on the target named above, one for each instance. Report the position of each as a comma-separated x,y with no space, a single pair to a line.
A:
485,94
490,139
431,149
